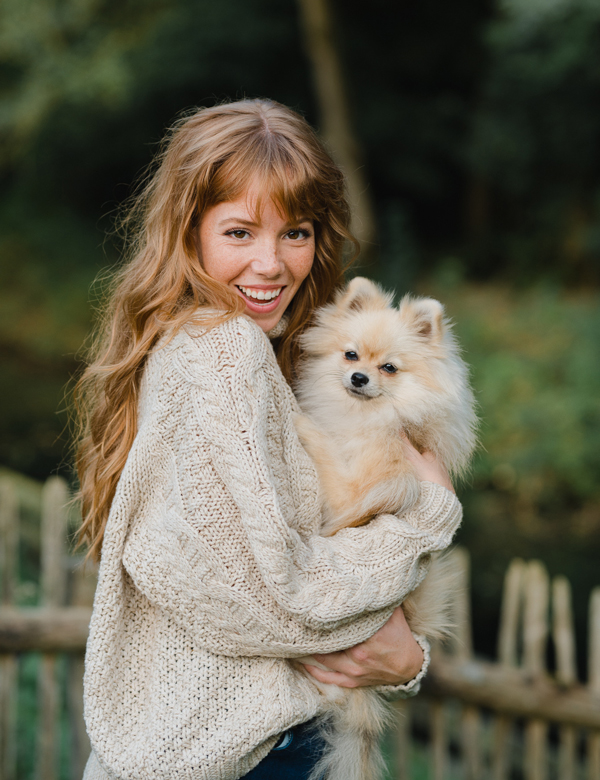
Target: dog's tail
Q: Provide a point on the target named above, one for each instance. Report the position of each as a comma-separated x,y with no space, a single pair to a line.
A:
352,731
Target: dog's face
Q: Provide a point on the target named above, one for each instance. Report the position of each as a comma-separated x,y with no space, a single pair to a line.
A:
371,350
371,369
368,361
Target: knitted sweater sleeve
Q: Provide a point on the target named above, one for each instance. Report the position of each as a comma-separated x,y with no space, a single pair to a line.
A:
302,593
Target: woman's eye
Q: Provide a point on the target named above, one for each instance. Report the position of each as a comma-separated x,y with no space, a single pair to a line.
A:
350,355
389,368
298,234
238,233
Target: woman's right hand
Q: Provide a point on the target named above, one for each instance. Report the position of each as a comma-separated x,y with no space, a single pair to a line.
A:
392,656
427,466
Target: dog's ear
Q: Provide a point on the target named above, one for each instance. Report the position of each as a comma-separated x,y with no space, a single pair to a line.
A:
361,294
425,316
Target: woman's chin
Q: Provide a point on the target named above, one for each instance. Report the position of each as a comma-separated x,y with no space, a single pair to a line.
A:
266,320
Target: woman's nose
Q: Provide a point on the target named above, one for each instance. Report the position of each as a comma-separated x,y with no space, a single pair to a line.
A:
267,261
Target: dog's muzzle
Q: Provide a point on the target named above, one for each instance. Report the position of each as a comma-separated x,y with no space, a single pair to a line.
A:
360,386
359,380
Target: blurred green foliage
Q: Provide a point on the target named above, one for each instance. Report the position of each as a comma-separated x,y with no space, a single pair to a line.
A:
534,491
535,150
537,374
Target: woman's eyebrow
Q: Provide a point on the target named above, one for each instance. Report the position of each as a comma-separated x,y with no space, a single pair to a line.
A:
251,223
238,221
299,221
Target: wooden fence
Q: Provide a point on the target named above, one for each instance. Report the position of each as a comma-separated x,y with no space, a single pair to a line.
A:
514,718
475,719
34,533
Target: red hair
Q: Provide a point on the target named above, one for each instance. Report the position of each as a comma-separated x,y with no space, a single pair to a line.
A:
209,156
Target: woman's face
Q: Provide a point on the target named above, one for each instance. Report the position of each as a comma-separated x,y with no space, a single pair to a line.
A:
263,257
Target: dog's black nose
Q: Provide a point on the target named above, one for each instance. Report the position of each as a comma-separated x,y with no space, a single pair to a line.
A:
359,380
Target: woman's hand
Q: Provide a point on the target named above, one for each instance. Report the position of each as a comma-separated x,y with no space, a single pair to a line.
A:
390,657
427,466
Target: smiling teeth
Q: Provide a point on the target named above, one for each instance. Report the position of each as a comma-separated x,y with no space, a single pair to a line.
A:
260,295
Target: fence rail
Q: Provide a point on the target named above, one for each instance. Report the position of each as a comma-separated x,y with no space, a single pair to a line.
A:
513,692
478,720
45,629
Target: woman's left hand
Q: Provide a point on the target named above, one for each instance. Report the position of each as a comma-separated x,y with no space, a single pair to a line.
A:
391,656
427,467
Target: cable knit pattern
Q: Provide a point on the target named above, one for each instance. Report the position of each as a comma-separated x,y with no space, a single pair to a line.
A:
213,572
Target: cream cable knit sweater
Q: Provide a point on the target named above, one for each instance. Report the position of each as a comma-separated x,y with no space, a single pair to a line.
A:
213,572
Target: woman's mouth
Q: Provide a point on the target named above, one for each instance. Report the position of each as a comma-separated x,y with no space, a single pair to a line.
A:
260,299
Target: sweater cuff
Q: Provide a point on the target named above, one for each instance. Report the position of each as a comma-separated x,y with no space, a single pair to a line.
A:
412,687
439,510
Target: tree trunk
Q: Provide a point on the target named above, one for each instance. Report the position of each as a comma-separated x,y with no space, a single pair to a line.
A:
337,131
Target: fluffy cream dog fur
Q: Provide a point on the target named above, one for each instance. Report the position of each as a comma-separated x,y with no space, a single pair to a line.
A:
372,371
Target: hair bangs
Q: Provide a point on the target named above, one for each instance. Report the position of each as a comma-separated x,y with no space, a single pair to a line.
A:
269,168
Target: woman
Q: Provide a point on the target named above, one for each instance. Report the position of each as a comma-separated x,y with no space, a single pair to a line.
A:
196,490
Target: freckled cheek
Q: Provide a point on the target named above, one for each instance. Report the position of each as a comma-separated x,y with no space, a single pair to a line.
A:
303,265
223,265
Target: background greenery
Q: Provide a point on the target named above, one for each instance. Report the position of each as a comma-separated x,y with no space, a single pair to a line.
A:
479,125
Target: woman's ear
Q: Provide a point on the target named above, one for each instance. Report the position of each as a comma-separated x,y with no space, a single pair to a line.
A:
362,294
424,315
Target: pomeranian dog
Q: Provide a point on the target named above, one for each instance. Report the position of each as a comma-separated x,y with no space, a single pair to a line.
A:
370,373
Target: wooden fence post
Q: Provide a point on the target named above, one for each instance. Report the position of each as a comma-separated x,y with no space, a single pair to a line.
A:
9,541
463,642
460,646
439,739
53,530
9,558
84,578
401,739
593,742
510,612
563,633
470,721
535,635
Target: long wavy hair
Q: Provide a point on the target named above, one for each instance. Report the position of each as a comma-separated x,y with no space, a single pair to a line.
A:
209,156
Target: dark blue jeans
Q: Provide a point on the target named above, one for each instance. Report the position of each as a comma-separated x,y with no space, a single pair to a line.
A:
293,757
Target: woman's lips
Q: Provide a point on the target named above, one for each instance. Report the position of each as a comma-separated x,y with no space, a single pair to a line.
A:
256,305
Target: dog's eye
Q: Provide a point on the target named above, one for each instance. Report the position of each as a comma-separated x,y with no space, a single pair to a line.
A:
350,355
389,368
